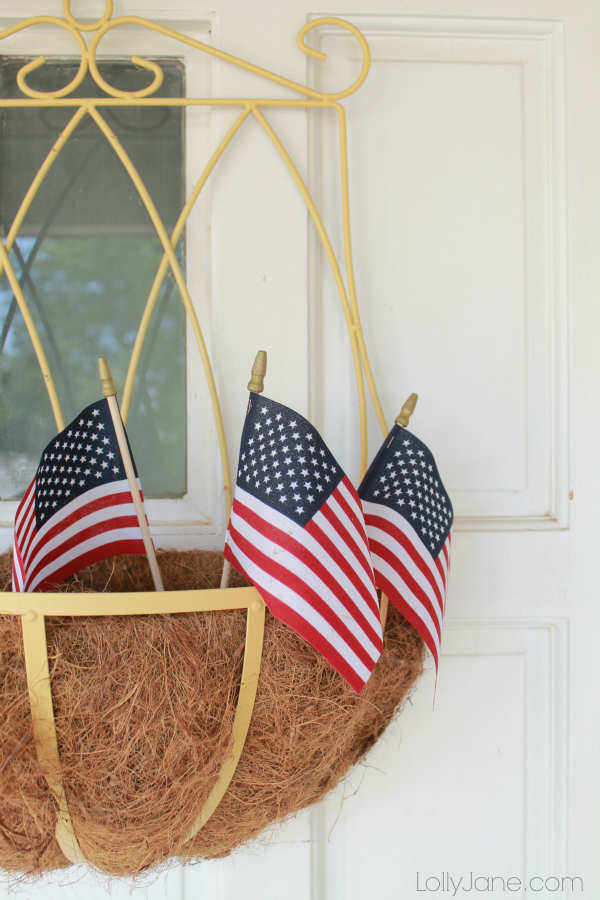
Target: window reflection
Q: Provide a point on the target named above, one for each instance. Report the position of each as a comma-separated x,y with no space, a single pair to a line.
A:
86,258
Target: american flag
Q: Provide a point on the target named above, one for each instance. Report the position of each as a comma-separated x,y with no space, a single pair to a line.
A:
409,516
78,509
297,532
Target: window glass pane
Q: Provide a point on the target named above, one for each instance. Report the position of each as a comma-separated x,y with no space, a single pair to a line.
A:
86,257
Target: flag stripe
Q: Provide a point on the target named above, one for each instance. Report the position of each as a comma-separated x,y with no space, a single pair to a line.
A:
288,569
401,594
398,563
390,517
97,498
301,616
82,539
26,528
102,510
396,545
353,500
18,571
320,546
103,546
323,531
411,613
384,531
24,504
355,526
339,522
356,516
405,570
312,563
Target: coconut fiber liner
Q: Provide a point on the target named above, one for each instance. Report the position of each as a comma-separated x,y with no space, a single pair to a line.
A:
144,708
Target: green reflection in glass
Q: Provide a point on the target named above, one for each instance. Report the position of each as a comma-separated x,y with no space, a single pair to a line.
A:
86,258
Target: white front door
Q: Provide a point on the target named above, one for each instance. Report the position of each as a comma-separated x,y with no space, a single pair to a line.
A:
474,150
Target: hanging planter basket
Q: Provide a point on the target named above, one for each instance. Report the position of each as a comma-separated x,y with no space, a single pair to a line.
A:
144,708
143,726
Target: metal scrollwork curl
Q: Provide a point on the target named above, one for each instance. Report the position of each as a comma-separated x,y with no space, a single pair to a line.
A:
40,60
105,24
95,25
347,26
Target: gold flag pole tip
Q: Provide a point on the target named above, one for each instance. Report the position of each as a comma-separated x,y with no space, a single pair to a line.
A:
407,410
259,370
108,385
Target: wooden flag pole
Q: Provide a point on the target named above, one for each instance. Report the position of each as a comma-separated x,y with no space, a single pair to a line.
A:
403,418
110,392
257,386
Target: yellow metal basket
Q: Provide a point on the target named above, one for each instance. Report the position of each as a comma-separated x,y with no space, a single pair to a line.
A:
33,608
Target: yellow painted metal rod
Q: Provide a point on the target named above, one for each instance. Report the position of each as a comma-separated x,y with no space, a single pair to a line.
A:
44,730
52,103
350,271
226,57
185,296
36,63
43,171
339,282
164,265
255,627
146,603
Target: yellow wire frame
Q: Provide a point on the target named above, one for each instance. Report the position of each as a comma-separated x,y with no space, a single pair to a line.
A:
33,611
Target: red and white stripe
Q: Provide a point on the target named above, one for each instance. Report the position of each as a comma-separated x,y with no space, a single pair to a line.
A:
98,524
318,579
407,573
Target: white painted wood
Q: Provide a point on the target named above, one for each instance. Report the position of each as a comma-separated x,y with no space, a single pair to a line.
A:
258,870
420,782
456,148
78,884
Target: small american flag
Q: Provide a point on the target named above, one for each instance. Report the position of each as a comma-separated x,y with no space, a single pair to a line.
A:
409,516
297,532
78,509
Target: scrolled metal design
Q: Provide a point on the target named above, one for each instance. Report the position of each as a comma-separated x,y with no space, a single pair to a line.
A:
105,24
317,54
40,60
95,25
